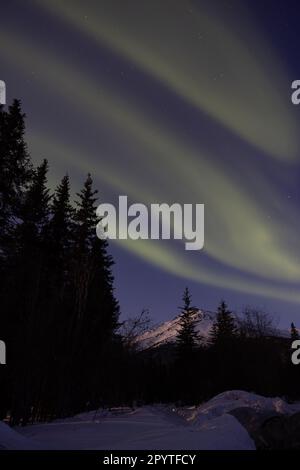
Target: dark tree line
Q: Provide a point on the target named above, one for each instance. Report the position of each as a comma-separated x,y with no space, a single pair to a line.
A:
243,353
60,319
59,315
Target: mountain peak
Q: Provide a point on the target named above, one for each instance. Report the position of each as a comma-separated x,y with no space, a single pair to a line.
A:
166,332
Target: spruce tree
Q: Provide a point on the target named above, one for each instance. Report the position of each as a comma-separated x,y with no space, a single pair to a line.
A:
27,295
84,235
224,328
187,337
15,168
15,174
294,332
93,263
57,297
60,225
95,310
59,240
34,211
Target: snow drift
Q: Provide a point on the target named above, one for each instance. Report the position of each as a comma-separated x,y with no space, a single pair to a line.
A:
228,401
210,426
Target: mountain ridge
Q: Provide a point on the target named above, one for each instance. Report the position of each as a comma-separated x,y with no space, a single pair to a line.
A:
166,332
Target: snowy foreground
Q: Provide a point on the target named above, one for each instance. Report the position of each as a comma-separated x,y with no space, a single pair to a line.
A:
207,427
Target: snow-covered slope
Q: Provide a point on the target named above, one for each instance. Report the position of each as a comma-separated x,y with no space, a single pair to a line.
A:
166,332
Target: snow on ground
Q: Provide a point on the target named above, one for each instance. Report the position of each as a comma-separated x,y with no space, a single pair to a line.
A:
12,440
228,401
207,427
146,428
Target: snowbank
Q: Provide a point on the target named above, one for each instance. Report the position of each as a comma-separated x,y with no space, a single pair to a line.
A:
228,401
147,428
219,423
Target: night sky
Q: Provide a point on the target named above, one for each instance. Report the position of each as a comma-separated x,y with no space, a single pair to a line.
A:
173,101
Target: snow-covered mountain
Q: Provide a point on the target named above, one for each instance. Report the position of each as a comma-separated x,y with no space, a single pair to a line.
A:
166,332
